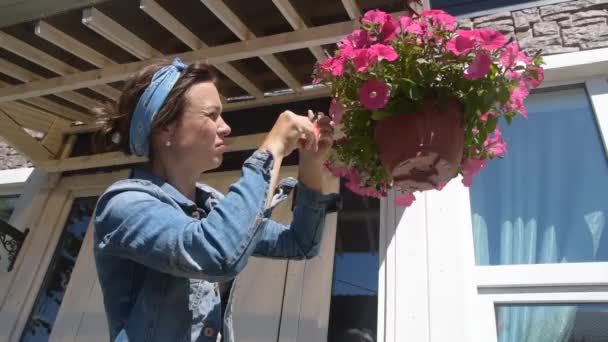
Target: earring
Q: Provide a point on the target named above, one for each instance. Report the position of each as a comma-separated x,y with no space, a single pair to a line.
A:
168,143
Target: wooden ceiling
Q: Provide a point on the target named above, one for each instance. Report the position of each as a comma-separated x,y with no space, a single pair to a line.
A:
54,69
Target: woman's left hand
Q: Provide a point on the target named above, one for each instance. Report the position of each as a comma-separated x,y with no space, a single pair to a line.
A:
325,128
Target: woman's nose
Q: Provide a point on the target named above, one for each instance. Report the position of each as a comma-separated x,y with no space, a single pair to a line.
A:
224,129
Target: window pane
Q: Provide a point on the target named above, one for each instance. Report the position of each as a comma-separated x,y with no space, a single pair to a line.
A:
354,301
46,307
547,201
552,323
7,205
470,6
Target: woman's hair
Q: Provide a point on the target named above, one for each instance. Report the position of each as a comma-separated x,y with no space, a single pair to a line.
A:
115,118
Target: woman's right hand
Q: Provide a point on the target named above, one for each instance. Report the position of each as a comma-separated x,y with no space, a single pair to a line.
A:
287,133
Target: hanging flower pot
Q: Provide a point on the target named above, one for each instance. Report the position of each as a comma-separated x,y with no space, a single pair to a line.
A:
422,150
419,101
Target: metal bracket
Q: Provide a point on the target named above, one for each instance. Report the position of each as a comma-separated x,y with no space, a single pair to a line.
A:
11,240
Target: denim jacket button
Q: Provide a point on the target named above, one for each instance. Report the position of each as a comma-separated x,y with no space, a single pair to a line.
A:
208,331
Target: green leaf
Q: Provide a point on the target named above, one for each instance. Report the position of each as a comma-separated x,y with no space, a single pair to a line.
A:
491,124
381,114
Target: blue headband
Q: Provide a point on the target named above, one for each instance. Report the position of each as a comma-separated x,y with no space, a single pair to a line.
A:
148,105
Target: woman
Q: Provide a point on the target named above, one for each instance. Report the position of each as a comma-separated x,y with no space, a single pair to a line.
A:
167,248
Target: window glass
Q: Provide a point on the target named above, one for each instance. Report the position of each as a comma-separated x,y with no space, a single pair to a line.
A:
7,205
552,322
354,301
40,323
471,6
547,200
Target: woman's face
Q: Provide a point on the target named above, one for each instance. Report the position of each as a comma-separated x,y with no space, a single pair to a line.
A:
198,137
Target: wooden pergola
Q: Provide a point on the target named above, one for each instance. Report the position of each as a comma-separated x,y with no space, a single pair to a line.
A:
59,60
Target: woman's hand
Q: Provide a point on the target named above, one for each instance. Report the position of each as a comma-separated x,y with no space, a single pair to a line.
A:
325,131
286,134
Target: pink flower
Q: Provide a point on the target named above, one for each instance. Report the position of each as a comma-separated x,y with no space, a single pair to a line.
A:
336,110
440,19
486,38
518,95
404,200
495,144
535,76
364,191
363,59
511,55
373,94
359,39
470,168
340,171
387,25
479,68
384,52
513,74
404,23
415,26
460,45
334,65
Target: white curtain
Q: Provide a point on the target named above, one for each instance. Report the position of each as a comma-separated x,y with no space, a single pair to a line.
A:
546,202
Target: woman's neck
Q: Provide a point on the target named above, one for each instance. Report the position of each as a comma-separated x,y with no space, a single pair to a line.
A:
182,179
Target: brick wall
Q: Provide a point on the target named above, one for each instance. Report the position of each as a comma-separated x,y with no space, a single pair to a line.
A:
11,158
559,28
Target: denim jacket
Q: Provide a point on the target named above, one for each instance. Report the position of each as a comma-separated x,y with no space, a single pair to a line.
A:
159,255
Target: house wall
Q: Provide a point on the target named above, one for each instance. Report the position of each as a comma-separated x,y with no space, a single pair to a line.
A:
559,28
11,158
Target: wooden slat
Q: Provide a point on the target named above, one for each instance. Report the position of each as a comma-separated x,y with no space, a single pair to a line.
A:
29,117
20,140
288,41
297,23
352,8
15,12
49,33
271,100
49,62
55,108
238,143
53,140
164,18
232,21
117,34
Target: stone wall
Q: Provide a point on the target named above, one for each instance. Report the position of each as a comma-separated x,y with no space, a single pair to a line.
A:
11,158
559,28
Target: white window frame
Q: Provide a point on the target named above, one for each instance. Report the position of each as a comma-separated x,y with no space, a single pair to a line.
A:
510,8
430,288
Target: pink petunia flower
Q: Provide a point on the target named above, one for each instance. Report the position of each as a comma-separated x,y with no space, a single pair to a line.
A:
479,68
416,27
536,76
336,110
363,59
404,200
373,95
334,65
460,45
384,52
364,191
484,117
518,95
470,168
490,39
511,55
495,144
387,25
359,39
440,19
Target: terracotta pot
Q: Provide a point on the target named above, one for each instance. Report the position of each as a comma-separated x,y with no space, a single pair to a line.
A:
424,149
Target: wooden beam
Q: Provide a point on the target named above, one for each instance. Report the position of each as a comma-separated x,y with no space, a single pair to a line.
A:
314,36
15,12
20,140
53,107
53,140
52,35
297,23
30,117
164,18
49,62
239,143
232,21
352,8
117,34
278,99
